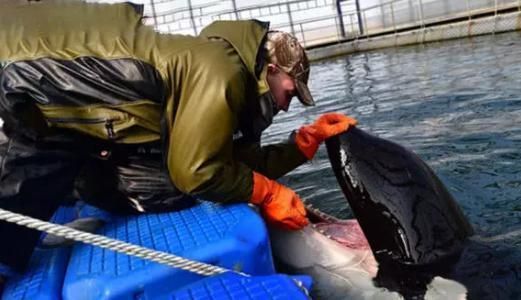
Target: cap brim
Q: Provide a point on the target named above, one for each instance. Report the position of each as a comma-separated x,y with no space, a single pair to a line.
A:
303,93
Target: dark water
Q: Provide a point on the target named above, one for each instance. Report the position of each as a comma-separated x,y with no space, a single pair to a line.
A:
456,103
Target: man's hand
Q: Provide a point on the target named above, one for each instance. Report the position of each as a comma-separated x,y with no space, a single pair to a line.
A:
279,205
309,137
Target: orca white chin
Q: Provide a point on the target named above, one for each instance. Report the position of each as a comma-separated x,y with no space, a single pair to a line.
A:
337,255
348,235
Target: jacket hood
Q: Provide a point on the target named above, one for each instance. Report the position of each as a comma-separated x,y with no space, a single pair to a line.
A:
246,37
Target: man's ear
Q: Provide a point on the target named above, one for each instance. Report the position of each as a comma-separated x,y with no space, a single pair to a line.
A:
272,69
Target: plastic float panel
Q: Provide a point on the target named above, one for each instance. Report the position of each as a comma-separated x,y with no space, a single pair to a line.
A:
43,278
232,236
230,286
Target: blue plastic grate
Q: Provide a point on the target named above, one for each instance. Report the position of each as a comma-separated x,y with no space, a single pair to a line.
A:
44,277
231,286
232,236
168,232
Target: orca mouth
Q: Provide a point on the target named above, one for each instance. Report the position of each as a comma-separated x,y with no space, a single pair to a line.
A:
347,233
317,216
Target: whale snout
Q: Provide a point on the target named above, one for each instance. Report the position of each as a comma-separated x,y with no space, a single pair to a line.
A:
405,211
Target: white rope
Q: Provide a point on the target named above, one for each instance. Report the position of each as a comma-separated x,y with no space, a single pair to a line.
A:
115,245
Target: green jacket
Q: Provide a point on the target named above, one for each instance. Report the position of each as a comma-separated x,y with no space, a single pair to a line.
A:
96,69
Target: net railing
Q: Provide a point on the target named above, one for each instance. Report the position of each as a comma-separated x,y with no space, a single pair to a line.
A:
317,22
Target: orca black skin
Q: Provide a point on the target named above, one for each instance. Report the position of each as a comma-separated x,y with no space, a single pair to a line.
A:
414,227
405,211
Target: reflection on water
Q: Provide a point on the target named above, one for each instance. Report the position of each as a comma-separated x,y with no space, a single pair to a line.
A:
457,104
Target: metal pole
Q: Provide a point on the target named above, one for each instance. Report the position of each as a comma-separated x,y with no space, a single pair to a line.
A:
392,16
421,12
495,16
234,4
351,22
360,25
192,16
365,21
302,33
469,26
382,14
340,18
468,8
290,19
154,15
422,20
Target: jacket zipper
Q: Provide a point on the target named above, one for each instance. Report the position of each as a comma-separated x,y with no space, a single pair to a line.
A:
109,123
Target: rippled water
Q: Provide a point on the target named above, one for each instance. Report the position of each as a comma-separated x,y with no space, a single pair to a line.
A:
456,103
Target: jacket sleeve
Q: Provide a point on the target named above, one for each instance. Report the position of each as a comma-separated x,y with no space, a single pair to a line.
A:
211,88
272,161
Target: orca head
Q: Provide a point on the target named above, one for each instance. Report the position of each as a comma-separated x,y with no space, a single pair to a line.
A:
406,213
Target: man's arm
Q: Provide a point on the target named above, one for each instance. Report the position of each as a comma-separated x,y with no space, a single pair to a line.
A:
211,87
273,161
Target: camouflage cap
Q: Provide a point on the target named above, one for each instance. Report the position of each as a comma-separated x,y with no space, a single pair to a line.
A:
285,51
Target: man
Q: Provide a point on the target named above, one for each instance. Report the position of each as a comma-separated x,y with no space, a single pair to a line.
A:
166,117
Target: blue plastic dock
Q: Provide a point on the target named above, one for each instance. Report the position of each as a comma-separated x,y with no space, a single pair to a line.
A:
44,278
231,236
229,286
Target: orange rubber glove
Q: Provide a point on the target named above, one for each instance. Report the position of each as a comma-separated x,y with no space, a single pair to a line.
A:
309,137
279,205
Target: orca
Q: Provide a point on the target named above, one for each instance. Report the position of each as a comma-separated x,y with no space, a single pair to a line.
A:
409,239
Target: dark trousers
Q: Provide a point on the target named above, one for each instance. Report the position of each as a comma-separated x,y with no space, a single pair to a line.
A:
36,177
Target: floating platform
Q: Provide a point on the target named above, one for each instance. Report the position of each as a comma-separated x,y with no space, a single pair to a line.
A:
231,236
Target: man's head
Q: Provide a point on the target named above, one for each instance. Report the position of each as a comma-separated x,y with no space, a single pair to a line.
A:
288,70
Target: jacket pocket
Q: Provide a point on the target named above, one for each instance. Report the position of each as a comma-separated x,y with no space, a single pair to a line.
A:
99,127
135,122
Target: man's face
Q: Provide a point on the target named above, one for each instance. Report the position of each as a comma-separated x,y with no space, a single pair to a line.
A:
282,87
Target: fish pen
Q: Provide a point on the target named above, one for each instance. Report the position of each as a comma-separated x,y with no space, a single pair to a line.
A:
330,28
